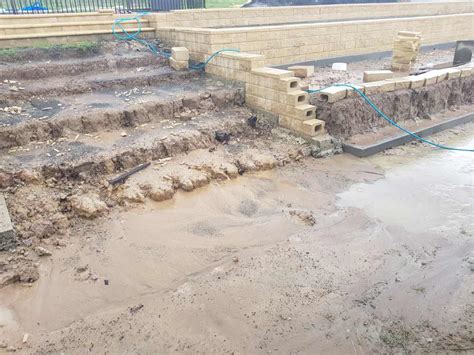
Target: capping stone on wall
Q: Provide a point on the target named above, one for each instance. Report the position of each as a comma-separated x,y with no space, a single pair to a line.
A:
334,93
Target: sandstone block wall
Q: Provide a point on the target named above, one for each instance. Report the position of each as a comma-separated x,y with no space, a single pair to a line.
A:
292,14
29,30
272,90
307,42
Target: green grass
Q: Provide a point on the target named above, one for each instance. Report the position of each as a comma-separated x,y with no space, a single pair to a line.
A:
214,4
81,47
8,52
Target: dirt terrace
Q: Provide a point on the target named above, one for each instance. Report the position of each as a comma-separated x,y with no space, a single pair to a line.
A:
325,255
60,144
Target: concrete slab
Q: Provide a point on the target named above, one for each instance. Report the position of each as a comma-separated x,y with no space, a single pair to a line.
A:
365,151
7,234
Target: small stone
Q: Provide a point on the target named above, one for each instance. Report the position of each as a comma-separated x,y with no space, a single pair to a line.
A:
133,193
40,251
123,134
25,337
235,259
29,177
88,206
81,269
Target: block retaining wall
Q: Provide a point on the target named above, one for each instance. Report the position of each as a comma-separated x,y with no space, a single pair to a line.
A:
279,92
288,44
291,14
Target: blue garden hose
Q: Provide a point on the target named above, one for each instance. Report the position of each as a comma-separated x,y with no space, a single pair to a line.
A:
392,122
127,36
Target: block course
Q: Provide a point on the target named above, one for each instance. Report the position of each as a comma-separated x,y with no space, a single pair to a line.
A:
335,93
295,43
272,90
292,14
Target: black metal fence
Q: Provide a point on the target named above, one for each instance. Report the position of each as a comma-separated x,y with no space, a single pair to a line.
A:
72,6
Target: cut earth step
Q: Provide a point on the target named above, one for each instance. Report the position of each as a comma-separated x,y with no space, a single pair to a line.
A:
46,119
86,156
77,66
44,211
20,91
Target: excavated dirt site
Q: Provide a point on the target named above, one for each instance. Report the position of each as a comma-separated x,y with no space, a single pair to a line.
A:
237,236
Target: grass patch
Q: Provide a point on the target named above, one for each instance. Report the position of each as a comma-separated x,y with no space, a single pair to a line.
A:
45,50
85,46
8,52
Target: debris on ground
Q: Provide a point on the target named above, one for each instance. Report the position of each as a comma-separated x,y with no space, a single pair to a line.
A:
222,137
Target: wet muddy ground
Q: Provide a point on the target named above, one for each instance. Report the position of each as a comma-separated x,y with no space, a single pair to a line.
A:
337,255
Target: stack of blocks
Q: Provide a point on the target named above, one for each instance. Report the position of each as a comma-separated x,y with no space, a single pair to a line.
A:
272,90
405,50
179,58
278,91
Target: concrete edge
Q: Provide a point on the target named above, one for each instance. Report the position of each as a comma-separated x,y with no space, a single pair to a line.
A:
365,151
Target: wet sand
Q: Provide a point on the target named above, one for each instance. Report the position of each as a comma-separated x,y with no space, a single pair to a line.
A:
338,255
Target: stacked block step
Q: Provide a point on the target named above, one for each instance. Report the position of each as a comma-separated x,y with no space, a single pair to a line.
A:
405,50
179,58
278,91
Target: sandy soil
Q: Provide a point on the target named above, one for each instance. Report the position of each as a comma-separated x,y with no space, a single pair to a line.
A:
339,255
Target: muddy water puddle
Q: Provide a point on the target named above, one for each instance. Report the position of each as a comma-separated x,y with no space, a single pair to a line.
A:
429,191
151,249
329,256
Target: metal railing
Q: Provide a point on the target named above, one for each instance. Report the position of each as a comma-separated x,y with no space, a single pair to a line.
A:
73,6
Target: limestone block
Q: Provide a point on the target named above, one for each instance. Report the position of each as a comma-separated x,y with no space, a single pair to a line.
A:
417,81
180,54
377,87
305,112
401,67
273,73
467,71
401,83
179,65
302,71
452,73
430,77
292,98
376,75
312,127
332,94
297,97
258,102
286,84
